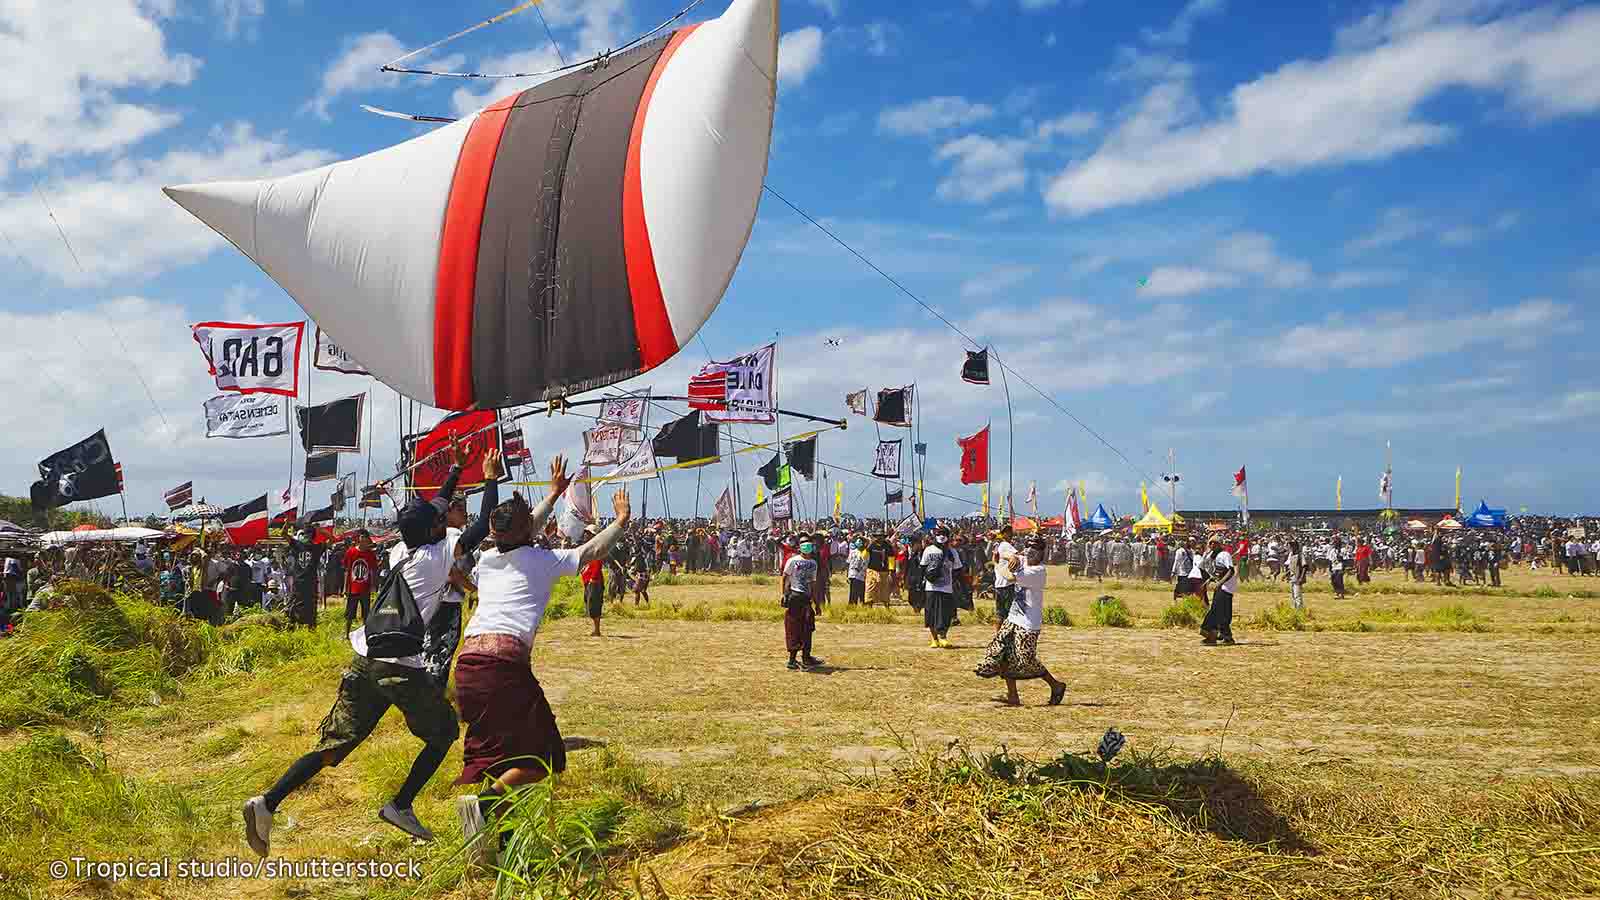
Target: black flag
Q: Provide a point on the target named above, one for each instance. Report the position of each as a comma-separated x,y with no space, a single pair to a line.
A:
803,457
371,497
332,426
976,368
84,471
322,467
774,473
893,407
894,496
686,439
324,514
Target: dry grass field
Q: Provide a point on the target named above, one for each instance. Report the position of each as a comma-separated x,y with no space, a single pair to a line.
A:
1409,741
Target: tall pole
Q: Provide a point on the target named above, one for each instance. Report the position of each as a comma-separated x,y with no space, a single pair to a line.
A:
1172,480
777,420
303,485
1011,435
370,416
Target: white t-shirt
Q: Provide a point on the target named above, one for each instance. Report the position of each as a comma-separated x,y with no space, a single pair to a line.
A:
856,565
1027,606
1003,551
1224,559
514,589
428,575
1335,563
1195,569
936,569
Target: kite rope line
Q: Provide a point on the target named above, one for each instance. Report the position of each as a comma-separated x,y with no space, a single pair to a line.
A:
392,67
18,254
560,57
955,328
110,320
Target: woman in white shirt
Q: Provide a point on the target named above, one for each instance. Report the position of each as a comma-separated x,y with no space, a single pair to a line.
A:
1014,652
512,738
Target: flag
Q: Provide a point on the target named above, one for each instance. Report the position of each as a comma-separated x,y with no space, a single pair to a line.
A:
345,490
626,411
894,407
1386,488
1242,491
605,445
724,509
984,509
324,514
332,426
322,466
886,460
246,523
641,465
1073,520
803,457
975,457
1083,493
686,439
976,369
747,388
922,506
371,497
121,487
428,454
331,357
1033,498
760,516
1144,499
775,474
514,447
761,496
288,504
1458,489
1338,494
577,506
708,391
782,505
245,416
252,359
838,499
180,496
83,471
898,495
857,402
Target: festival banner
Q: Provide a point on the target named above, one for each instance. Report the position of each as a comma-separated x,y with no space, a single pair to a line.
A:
975,457
180,496
708,392
976,369
330,357
246,523
371,497
898,495
724,509
605,445
245,416
627,411
84,471
478,431
252,359
332,426
886,460
761,516
894,407
641,465
908,526
803,457
577,507
322,466
749,388
1242,491
857,402
514,447
782,505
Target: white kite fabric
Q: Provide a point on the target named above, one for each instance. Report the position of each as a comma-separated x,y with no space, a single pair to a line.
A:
886,461
252,359
761,517
751,396
245,416
641,465
627,412
330,357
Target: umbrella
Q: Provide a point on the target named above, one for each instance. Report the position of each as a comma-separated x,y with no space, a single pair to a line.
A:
196,511
87,528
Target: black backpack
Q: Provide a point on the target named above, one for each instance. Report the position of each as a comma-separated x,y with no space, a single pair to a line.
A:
395,628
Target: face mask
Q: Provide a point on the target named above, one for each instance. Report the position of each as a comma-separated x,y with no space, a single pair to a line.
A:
940,540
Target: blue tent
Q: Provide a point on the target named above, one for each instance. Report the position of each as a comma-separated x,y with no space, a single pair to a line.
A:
1484,517
1100,521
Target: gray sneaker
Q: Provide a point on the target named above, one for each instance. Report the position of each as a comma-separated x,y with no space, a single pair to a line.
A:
258,825
405,820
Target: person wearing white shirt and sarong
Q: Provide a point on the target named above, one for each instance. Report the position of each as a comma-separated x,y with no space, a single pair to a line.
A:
1014,652
1218,623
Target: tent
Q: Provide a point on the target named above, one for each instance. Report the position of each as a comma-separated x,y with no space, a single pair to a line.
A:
1153,521
56,538
1448,523
1023,524
1416,525
1100,521
1484,517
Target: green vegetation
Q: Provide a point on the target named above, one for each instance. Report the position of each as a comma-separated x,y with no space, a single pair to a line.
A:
1109,612
1188,612
1057,615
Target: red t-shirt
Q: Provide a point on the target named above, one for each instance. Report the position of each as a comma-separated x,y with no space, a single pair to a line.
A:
359,566
1363,553
592,573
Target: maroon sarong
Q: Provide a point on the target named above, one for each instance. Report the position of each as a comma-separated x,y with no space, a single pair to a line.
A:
799,621
509,722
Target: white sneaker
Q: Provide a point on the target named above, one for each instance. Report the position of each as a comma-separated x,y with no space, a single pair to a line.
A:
258,825
480,846
405,820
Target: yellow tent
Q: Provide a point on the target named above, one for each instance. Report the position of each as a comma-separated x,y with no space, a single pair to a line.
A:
1153,521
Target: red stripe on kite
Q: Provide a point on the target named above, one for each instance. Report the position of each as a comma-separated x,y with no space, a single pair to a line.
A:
650,321
458,258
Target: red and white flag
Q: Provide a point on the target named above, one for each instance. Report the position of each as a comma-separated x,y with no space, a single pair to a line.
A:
246,523
252,359
1074,517
709,390
120,485
1242,491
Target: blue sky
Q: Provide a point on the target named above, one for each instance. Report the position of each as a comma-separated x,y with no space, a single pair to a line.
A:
1354,222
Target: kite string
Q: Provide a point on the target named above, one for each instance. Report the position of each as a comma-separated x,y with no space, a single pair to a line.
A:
956,328
492,20
110,320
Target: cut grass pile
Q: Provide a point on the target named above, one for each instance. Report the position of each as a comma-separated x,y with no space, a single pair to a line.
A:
996,825
1109,612
1186,613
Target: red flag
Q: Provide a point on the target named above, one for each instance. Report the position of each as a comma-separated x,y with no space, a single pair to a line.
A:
975,457
246,523
479,432
709,390
1239,487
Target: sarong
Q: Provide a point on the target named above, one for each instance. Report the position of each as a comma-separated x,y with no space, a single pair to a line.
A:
510,724
1013,654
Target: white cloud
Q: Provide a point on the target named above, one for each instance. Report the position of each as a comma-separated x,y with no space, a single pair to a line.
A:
238,16
1392,339
1202,401
543,58
121,224
799,54
67,66
1398,224
1359,278
1459,386
1074,124
1254,254
1318,113
600,25
356,68
1133,65
1462,235
984,168
1097,485
934,114
1182,27
995,281
877,34
1181,281
831,7
1050,39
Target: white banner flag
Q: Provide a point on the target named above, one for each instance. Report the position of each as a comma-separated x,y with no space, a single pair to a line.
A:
642,464
761,517
750,388
606,445
625,411
886,462
724,513
578,508
331,357
245,416
252,359
782,506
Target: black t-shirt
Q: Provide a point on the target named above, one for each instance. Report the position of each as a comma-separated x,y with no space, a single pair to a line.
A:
878,556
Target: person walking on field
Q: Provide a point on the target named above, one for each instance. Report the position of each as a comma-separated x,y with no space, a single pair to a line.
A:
593,577
1363,561
880,577
856,572
939,602
1219,618
1298,573
1014,653
1336,568
801,604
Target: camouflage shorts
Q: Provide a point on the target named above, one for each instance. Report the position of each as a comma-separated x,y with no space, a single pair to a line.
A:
368,689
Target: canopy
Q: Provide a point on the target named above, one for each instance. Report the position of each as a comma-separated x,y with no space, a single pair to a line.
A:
56,538
1448,522
1153,520
1023,523
1100,521
1416,525
1484,517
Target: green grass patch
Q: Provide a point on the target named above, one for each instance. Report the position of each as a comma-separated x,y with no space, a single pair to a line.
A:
1455,617
1188,612
1284,617
1057,615
1109,612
